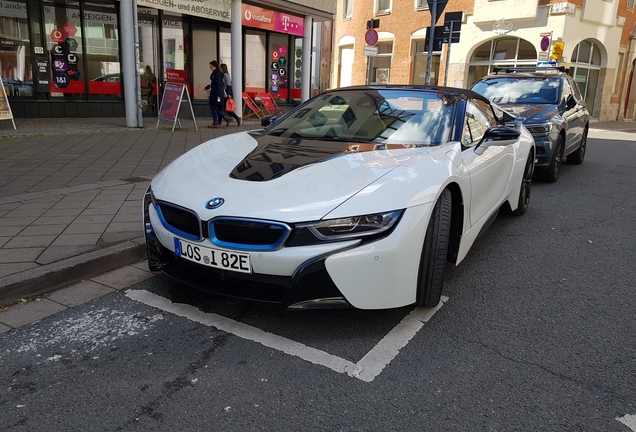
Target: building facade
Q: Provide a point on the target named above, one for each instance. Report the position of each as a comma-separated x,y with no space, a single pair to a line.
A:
595,39
66,58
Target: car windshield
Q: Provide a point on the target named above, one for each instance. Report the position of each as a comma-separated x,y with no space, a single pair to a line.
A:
396,116
522,90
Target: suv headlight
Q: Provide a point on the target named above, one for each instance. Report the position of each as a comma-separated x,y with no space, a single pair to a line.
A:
539,130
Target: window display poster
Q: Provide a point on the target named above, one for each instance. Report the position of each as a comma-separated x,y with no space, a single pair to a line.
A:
171,101
5,110
382,76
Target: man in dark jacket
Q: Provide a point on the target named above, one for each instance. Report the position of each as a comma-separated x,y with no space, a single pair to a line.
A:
217,95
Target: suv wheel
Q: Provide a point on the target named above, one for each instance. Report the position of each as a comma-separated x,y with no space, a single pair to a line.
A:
551,174
577,157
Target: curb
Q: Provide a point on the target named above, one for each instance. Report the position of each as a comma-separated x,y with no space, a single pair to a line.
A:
51,277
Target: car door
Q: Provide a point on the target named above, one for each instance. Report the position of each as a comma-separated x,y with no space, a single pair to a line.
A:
573,119
489,172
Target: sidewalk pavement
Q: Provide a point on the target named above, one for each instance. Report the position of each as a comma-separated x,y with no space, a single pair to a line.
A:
71,192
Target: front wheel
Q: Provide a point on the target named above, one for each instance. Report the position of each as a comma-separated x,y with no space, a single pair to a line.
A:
577,157
434,253
551,174
526,187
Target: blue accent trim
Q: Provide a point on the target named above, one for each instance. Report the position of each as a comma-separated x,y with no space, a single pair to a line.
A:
253,248
172,229
177,247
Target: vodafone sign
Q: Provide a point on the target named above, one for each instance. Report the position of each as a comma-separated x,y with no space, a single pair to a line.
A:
266,19
58,36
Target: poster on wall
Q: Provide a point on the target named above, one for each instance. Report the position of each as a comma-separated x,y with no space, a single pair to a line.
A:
382,76
171,104
5,108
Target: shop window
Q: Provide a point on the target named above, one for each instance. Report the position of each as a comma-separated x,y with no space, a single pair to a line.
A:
279,66
148,34
102,52
15,52
381,64
63,31
256,62
203,37
420,65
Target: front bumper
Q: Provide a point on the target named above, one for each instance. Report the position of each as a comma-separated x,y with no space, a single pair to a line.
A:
376,275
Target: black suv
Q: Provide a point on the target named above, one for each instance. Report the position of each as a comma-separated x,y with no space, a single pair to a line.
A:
551,107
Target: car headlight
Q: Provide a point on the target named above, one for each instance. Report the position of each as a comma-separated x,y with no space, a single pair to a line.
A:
366,227
539,130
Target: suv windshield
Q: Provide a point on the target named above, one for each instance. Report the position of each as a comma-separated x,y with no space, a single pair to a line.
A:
400,116
519,90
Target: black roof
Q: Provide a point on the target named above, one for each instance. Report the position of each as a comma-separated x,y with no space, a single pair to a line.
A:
452,90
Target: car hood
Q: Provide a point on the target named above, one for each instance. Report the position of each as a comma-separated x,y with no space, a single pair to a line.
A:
260,176
532,113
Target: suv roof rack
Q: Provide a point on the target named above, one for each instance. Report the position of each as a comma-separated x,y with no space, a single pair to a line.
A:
561,69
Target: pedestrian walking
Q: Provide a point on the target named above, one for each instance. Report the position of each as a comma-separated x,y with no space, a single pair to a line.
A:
217,96
228,92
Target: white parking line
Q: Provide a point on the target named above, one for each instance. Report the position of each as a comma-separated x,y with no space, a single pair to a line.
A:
369,367
629,421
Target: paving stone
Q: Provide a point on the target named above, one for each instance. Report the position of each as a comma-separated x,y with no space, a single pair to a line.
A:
76,240
57,253
31,241
123,277
19,255
124,226
29,312
118,237
35,230
54,220
13,268
101,219
63,212
79,293
79,228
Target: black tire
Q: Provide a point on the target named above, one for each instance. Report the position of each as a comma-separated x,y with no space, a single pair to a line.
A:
526,187
551,174
577,157
434,253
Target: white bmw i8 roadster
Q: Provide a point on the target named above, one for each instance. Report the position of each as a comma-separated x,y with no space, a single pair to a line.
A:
356,198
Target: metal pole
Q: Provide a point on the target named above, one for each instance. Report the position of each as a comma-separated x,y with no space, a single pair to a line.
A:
368,69
448,50
431,36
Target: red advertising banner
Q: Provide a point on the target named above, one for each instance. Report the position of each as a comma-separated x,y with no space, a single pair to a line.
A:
175,76
266,19
171,101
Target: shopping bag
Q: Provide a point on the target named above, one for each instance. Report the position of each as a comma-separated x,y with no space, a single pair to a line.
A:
230,106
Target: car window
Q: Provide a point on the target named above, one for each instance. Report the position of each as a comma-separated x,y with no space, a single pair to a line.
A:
526,90
567,91
575,89
477,122
400,116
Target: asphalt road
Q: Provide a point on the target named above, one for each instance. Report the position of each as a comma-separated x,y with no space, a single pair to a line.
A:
538,334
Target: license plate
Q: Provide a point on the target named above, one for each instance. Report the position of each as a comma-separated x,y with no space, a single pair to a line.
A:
233,261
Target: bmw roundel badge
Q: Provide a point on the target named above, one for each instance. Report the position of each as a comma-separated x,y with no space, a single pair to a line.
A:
214,203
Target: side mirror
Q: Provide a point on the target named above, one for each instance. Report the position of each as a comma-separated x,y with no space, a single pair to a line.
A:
570,102
497,136
266,121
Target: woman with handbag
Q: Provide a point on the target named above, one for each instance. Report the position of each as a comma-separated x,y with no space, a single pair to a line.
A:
230,105
217,96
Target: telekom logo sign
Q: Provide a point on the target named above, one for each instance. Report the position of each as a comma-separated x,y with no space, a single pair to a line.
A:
270,20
